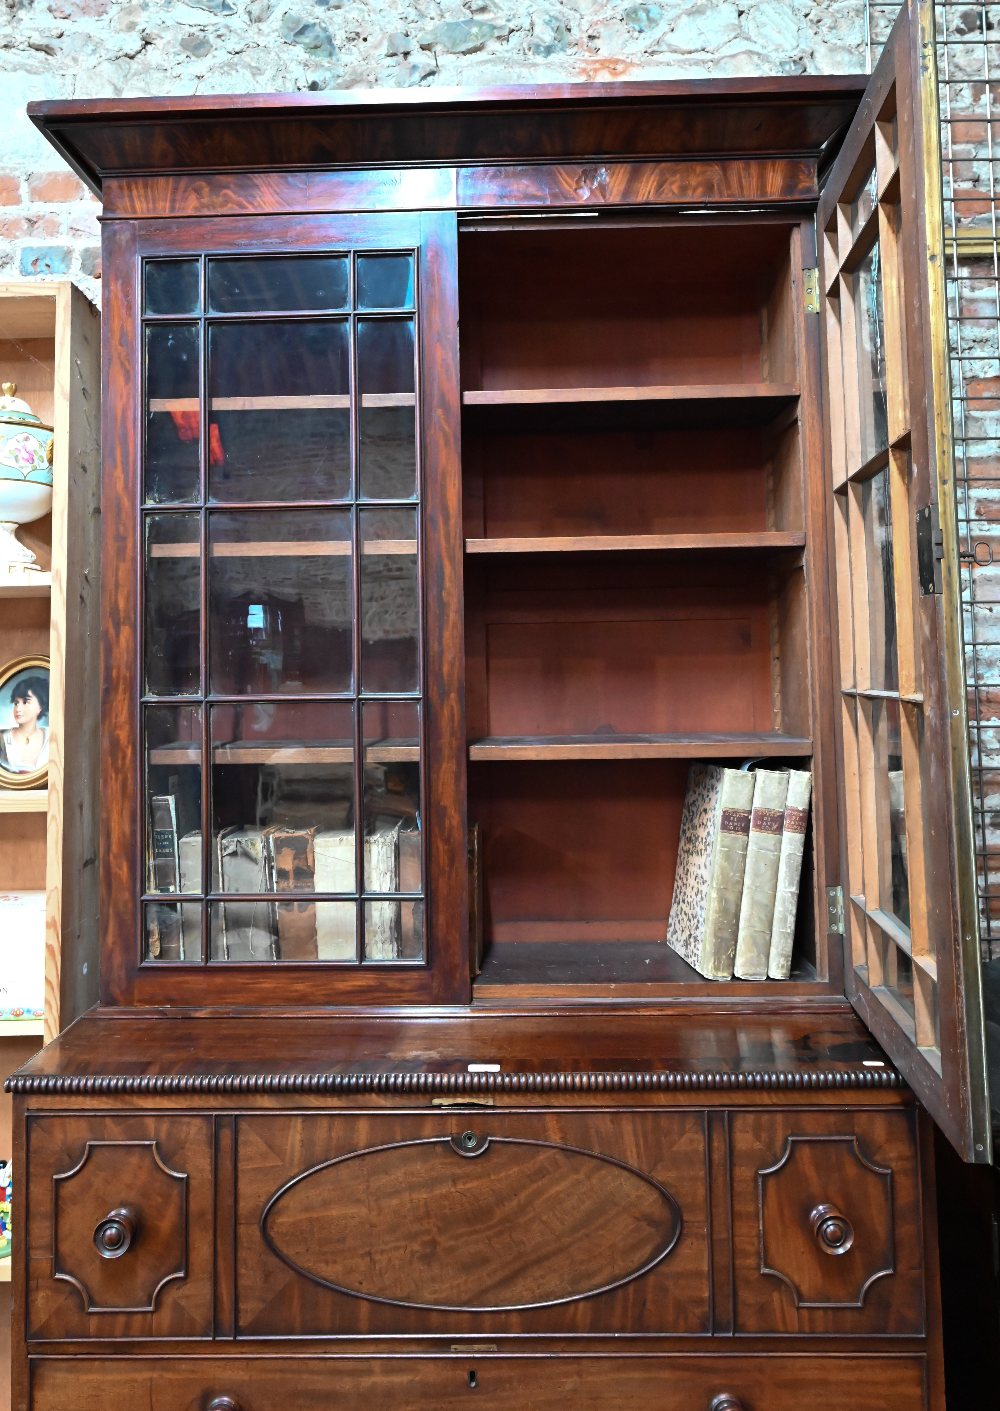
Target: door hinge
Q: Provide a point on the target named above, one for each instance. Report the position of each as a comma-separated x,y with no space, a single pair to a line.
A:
810,290
930,549
835,910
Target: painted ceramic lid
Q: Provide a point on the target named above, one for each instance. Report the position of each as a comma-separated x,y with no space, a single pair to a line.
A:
15,412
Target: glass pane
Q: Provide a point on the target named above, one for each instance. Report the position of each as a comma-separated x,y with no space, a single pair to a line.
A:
173,799
283,798
898,976
172,931
870,333
394,930
877,517
864,203
279,284
173,423
292,932
390,596
387,418
893,866
392,794
172,605
281,590
280,410
385,281
172,287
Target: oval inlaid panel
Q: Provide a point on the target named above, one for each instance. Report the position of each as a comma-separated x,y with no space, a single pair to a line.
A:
512,1224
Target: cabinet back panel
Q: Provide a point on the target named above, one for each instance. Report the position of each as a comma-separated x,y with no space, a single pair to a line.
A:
611,307
578,851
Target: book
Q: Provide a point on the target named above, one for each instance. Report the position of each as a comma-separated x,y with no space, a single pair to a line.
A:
708,880
760,877
411,929
292,868
786,897
382,918
333,863
166,941
245,930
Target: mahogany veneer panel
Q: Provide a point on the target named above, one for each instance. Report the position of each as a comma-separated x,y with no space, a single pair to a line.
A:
473,1222
659,1383
864,1165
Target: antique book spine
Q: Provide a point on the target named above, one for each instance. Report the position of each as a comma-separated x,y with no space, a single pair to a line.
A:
164,868
189,855
786,897
708,879
411,935
760,881
247,929
381,922
293,869
336,922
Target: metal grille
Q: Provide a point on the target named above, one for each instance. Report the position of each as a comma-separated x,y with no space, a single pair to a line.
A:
968,45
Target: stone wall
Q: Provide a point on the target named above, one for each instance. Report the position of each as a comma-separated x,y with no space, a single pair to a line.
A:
111,48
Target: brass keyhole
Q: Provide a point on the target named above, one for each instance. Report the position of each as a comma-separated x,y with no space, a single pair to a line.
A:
469,1141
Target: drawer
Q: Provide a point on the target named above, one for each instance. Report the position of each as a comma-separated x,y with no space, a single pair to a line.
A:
120,1226
827,1233
652,1383
471,1222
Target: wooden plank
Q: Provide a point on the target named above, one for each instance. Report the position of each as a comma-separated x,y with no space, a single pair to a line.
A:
38,585
288,548
605,543
709,746
301,403
674,392
24,800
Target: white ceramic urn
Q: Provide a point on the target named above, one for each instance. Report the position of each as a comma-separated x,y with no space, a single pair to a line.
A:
25,479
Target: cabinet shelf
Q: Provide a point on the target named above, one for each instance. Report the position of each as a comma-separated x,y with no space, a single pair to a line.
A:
24,801
335,401
570,965
287,548
698,746
38,585
243,753
637,543
633,404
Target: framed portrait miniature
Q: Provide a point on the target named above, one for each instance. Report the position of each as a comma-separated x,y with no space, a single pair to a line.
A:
24,723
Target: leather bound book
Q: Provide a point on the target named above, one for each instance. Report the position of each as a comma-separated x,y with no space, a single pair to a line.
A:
292,866
164,873
708,880
382,928
760,880
333,860
244,930
786,897
411,936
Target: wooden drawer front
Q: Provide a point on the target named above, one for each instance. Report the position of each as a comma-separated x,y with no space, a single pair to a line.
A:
153,1177
827,1223
500,1383
472,1221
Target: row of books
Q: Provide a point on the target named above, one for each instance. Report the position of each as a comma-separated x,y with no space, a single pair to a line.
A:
739,865
256,861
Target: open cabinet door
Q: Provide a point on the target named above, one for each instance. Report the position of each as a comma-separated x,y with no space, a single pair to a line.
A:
910,905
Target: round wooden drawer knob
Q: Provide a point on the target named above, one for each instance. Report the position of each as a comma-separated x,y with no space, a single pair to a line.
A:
115,1233
834,1232
223,1403
727,1402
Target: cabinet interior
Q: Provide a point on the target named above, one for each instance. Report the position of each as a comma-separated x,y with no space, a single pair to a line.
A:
635,522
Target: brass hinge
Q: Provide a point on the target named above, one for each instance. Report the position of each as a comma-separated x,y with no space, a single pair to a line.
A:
810,290
930,549
835,910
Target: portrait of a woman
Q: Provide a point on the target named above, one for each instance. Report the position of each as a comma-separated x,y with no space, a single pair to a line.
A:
24,723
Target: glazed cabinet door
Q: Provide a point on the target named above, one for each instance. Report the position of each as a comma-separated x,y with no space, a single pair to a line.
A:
909,884
283,752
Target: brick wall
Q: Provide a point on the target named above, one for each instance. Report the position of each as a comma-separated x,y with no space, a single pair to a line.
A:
110,48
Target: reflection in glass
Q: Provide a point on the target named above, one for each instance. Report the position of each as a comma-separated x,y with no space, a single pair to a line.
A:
886,723
173,799
898,976
864,203
394,930
279,284
279,393
385,282
173,423
172,646
876,515
870,333
392,793
172,932
387,416
172,287
269,931
281,595
390,617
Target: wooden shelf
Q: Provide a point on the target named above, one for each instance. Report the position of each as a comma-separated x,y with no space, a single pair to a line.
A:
20,1028
288,548
639,747
675,392
37,585
571,965
24,800
638,543
584,408
335,401
247,753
